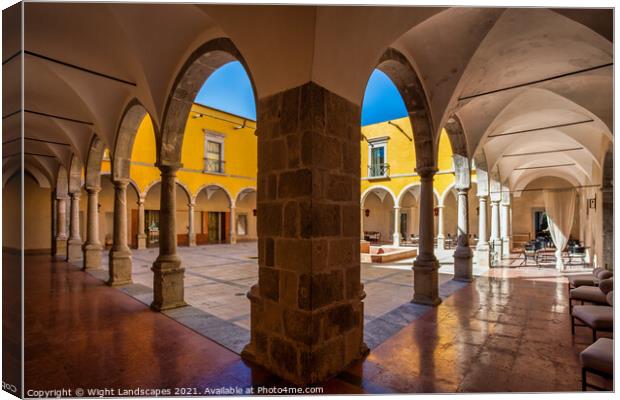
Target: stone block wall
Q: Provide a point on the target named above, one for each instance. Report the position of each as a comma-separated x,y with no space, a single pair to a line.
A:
307,309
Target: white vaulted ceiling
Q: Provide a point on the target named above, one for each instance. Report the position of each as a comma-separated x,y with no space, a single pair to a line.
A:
500,70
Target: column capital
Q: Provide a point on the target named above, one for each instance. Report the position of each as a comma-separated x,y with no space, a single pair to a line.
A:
141,200
191,204
426,172
92,189
440,206
120,183
169,169
75,195
462,190
483,197
396,207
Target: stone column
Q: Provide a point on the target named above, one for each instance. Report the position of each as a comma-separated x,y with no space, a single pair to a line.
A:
141,222
120,255
92,247
307,309
463,254
440,229
362,222
168,285
74,245
396,235
505,229
482,248
191,231
233,228
495,239
426,265
61,227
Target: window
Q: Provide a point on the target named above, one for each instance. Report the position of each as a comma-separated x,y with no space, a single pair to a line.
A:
377,156
242,224
214,153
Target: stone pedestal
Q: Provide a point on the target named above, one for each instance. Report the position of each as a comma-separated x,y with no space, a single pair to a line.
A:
74,244
426,265
92,247
120,255
463,270
168,278
306,310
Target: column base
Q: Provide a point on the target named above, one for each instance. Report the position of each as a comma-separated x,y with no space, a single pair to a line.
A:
506,246
396,239
168,283
321,344
92,256
192,240
141,242
441,244
483,256
426,282
463,268
233,240
74,250
61,248
120,268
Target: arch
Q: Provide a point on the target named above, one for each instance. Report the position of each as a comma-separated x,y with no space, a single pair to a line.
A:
246,189
214,185
396,66
407,188
457,136
197,68
451,187
523,181
377,187
75,175
94,158
151,185
123,144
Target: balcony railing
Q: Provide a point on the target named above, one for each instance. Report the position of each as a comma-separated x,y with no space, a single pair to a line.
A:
378,170
214,166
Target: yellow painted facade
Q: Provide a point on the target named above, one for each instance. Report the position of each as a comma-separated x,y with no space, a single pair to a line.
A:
400,155
239,153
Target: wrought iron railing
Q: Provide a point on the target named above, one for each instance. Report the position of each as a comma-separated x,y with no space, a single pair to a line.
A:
216,166
378,170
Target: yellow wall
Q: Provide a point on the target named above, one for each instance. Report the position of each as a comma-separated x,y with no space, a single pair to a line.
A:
401,157
240,153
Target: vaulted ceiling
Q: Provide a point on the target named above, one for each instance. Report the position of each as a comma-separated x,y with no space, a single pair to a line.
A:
521,81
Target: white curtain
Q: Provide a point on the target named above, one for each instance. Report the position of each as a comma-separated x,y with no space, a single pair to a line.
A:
560,209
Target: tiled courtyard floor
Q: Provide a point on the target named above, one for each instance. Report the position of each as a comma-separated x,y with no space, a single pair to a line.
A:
217,278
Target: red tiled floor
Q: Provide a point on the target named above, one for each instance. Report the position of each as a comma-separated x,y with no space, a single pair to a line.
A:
506,332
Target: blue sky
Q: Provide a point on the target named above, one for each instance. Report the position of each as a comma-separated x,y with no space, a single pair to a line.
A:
229,89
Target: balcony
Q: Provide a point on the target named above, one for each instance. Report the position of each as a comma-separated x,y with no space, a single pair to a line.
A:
378,170
214,166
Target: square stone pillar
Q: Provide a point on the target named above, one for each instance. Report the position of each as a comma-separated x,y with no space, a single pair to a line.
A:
119,258
307,312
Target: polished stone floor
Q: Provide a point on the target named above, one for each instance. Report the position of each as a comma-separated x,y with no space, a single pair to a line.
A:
217,277
508,331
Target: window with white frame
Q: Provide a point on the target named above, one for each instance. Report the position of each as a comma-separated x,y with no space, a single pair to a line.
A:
378,166
214,153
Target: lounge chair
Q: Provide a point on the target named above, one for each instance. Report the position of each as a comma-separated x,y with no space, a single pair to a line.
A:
597,359
599,318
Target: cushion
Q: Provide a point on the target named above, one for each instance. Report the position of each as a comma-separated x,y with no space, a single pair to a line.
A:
597,270
604,275
581,280
610,298
606,285
599,356
591,294
600,318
